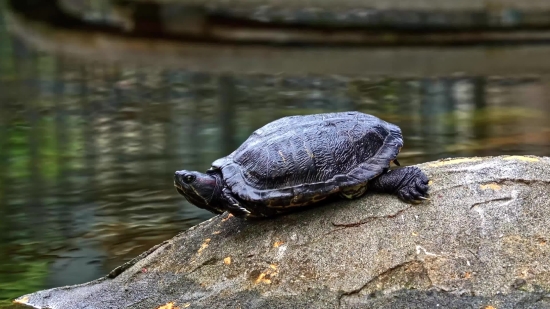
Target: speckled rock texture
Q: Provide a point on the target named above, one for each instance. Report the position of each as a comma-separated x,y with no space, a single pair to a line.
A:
482,241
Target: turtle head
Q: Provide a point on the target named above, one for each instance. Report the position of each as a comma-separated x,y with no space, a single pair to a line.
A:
202,190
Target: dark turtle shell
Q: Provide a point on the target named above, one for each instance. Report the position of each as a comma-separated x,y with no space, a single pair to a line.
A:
298,160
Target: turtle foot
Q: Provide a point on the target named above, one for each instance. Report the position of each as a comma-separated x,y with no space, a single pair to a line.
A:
409,183
414,184
233,206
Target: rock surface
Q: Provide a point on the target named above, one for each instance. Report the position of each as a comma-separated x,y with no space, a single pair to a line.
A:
482,241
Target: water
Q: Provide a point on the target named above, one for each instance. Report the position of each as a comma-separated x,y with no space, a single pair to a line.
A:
88,150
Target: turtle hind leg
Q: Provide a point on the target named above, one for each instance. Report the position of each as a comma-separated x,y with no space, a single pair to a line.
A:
408,183
354,191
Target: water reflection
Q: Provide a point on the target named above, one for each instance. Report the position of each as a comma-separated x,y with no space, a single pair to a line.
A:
87,151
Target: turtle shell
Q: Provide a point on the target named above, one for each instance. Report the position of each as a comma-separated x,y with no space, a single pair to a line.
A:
298,160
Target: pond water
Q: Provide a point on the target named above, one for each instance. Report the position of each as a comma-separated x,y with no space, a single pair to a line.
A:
88,150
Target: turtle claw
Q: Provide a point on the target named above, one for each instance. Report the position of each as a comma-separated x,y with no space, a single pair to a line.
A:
420,199
241,209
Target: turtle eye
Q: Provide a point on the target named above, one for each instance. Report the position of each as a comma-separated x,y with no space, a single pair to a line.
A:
189,178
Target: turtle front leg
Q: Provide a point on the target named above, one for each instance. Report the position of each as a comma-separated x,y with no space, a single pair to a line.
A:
232,205
409,183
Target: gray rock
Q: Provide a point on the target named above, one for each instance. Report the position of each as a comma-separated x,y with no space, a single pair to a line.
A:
482,241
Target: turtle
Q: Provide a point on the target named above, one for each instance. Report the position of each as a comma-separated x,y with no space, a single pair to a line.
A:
298,161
